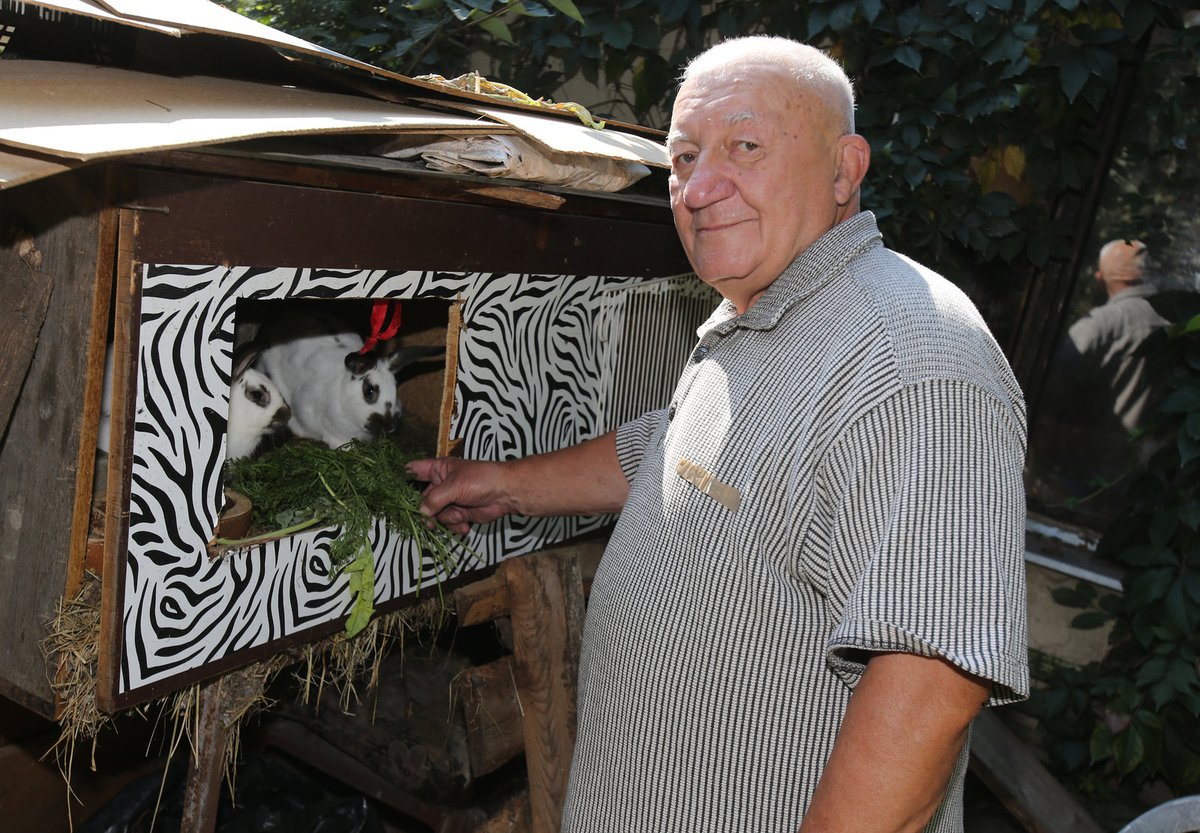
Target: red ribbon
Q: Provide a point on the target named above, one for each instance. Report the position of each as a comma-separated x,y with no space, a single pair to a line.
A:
385,323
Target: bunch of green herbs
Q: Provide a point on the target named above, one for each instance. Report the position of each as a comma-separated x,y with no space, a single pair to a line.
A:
303,484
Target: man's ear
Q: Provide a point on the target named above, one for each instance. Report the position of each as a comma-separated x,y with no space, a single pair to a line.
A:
853,159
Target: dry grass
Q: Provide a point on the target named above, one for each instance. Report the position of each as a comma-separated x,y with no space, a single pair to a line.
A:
339,662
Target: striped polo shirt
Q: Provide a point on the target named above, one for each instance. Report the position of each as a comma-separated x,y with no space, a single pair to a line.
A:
838,472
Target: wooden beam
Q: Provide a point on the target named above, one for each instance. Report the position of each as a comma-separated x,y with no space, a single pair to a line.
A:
28,292
1009,768
546,600
492,712
206,770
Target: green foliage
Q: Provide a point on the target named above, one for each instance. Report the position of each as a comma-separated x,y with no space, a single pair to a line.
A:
983,115
1134,717
413,38
301,485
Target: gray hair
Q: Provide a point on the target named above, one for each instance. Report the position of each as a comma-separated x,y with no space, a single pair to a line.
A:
806,64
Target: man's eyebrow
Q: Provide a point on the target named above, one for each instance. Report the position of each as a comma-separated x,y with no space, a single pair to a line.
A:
740,116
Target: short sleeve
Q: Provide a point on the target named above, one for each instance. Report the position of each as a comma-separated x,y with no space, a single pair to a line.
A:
634,437
927,551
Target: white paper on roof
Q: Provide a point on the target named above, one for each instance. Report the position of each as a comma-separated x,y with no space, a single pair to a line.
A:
566,136
85,112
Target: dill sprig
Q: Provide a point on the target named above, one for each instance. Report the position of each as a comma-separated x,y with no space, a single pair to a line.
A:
304,484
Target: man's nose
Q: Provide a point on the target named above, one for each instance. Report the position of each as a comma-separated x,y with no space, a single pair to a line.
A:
708,182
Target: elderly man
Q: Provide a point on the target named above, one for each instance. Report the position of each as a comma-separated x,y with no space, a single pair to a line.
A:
816,578
1098,394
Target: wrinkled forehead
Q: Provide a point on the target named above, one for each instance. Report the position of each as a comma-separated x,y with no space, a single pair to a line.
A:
725,101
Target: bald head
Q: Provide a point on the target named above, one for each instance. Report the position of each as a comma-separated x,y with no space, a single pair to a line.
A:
815,71
1122,263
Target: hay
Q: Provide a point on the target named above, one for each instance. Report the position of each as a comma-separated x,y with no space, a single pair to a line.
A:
338,661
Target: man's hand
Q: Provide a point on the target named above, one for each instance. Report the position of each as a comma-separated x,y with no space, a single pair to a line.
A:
583,479
904,728
463,492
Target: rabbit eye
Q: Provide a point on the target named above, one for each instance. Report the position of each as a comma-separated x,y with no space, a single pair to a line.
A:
370,392
259,396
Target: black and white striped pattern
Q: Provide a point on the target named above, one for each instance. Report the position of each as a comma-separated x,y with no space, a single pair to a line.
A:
875,435
536,354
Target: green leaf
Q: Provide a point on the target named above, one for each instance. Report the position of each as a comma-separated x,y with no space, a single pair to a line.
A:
1150,586
1165,522
1188,448
909,57
617,33
1182,676
1152,671
1178,607
842,17
1182,400
494,26
373,39
568,8
1073,74
1128,749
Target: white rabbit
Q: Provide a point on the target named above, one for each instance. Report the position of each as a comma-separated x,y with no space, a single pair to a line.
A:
336,393
256,408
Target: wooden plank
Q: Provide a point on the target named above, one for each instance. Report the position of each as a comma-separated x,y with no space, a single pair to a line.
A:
481,601
20,323
492,711
116,521
206,769
92,405
39,455
220,221
512,817
546,597
305,746
1018,779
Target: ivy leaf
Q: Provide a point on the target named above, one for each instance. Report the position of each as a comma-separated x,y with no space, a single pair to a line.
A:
1073,73
1177,607
1182,400
871,9
373,39
494,26
909,57
617,33
1188,447
673,10
1128,749
568,8
1154,670
818,19
1150,586
842,16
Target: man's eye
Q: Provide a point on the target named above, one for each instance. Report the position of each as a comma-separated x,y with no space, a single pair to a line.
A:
685,158
747,146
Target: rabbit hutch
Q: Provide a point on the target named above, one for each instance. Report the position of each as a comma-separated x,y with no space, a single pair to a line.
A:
177,183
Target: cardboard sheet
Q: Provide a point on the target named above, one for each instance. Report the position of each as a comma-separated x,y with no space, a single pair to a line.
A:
16,169
85,112
567,136
203,16
89,9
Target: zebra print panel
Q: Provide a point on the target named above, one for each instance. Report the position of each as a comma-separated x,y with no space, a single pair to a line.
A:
538,362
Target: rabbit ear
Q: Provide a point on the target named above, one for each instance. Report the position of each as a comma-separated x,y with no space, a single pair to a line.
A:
360,363
243,357
404,356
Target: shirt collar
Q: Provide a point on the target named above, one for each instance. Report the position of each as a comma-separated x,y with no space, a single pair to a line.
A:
811,270
1138,290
